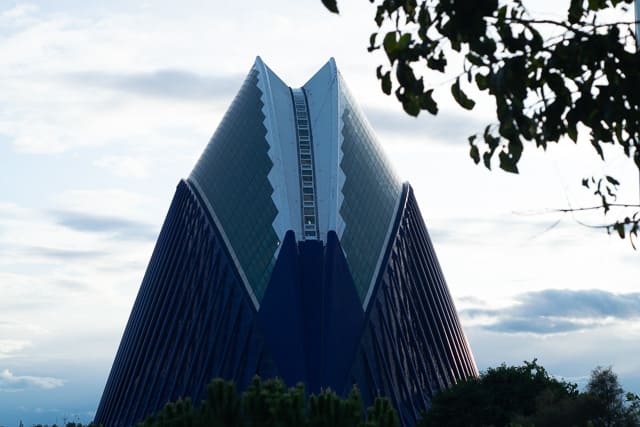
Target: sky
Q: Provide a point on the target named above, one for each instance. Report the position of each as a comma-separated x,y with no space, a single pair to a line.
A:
104,107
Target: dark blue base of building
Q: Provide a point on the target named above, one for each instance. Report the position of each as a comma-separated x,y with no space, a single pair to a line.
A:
193,321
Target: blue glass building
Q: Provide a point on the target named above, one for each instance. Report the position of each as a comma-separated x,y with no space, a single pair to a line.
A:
291,250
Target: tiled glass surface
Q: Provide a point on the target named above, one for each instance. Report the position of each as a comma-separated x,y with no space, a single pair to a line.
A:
370,191
232,173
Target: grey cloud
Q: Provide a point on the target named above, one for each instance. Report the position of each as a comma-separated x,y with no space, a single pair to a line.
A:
559,310
125,266
8,347
63,254
24,305
470,299
446,126
10,382
167,83
579,304
121,227
538,325
72,285
479,312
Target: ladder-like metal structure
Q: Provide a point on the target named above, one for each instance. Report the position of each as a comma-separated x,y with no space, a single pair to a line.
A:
309,209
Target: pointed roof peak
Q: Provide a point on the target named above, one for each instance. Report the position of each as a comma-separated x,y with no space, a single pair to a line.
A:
328,72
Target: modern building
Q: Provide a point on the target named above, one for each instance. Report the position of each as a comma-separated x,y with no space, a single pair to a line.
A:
291,250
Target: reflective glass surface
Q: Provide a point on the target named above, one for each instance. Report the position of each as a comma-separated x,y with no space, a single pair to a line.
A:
370,191
232,173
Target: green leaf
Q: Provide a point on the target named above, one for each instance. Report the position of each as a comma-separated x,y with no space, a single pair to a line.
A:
597,4
537,42
572,131
428,103
575,11
486,158
502,13
596,145
372,42
474,59
474,153
404,41
411,105
390,45
380,15
386,83
332,5
437,64
406,78
515,149
482,81
461,98
507,162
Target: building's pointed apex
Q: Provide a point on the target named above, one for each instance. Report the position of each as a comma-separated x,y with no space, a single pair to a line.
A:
332,63
266,73
260,66
327,74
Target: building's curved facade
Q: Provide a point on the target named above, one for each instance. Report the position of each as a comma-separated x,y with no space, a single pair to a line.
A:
292,250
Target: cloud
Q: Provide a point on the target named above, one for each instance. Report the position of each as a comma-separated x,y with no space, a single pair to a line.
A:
580,304
447,126
19,11
12,383
122,228
8,347
72,285
108,202
558,310
63,254
469,299
540,325
164,83
125,166
18,16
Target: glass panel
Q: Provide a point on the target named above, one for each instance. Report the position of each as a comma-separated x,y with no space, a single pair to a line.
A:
370,191
232,173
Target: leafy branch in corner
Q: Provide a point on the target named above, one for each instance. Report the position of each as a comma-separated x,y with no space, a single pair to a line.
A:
550,79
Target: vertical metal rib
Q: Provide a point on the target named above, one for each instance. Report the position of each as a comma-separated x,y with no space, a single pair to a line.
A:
309,209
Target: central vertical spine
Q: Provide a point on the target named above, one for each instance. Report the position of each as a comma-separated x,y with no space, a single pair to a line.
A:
309,210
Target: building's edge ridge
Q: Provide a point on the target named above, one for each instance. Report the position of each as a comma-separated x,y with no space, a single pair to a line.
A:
197,190
394,225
